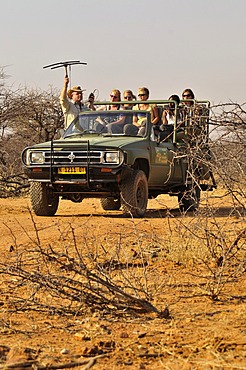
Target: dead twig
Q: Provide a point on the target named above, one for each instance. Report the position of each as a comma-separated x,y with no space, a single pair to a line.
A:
36,366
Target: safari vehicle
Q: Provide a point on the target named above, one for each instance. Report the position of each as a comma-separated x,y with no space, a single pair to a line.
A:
124,169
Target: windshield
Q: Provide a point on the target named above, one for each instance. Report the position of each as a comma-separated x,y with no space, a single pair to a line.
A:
109,123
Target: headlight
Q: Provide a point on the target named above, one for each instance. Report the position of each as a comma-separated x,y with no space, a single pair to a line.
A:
112,157
36,157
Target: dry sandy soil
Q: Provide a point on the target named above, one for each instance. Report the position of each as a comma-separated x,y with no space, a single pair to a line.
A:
183,272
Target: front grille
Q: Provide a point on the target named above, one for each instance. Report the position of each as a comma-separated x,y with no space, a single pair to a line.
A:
74,157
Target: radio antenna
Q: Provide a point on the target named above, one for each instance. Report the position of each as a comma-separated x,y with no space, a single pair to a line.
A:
66,64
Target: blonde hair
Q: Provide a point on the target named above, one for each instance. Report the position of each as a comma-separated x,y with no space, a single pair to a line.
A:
116,91
143,90
131,93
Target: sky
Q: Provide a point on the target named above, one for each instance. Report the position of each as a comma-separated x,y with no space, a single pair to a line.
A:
166,46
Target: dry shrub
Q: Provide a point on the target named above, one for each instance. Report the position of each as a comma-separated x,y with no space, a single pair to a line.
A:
73,276
26,117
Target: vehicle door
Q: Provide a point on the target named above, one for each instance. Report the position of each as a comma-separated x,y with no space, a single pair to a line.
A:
161,162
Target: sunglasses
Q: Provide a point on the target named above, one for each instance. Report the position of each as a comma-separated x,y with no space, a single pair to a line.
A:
141,94
186,96
127,97
113,96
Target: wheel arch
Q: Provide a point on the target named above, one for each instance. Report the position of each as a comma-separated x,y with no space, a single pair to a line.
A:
142,164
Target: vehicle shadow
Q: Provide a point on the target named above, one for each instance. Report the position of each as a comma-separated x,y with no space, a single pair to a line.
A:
166,213
229,211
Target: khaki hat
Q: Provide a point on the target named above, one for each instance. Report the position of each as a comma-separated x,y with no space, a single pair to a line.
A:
74,89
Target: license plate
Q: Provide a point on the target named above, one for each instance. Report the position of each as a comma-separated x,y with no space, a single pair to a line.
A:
72,170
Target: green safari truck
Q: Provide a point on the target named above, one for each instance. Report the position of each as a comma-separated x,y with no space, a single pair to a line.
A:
122,164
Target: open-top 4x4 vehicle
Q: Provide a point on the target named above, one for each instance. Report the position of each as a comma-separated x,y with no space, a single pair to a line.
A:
124,166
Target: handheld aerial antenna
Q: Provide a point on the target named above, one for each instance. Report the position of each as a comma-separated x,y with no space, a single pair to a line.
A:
66,64
95,92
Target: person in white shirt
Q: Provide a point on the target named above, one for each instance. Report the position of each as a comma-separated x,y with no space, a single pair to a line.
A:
72,102
168,115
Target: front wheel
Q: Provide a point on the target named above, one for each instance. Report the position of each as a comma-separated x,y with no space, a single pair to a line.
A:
134,193
44,201
189,199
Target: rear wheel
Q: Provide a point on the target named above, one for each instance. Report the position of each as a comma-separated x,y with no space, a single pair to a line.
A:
134,193
189,199
44,201
110,204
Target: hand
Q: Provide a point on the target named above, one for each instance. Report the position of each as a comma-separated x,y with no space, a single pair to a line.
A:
91,98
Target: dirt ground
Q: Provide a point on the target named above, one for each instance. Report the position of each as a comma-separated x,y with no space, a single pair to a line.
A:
196,332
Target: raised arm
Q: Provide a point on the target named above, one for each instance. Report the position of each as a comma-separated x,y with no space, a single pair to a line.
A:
64,89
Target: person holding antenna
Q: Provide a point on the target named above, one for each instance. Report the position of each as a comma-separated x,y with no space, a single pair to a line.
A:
72,102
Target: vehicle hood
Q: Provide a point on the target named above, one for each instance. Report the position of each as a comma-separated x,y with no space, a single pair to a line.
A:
95,141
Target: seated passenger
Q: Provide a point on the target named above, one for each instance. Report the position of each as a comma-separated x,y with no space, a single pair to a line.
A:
187,95
195,115
115,96
143,95
90,102
192,110
168,115
128,95
115,126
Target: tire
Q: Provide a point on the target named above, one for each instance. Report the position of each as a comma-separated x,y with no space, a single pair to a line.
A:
110,204
44,202
189,199
134,194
